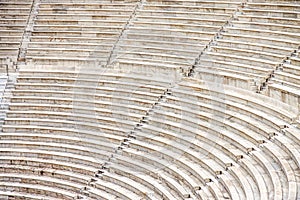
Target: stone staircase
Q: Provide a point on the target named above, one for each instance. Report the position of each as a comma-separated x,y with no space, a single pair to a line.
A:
7,85
27,33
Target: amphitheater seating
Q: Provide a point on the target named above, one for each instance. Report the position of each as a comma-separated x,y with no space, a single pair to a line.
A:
285,82
183,140
44,126
57,99
169,99
3,80
252,46
172,33
60,25
3,103
179,119
13,18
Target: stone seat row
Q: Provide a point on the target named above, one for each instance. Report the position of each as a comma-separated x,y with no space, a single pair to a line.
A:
257,32
85,17
139,66
251,38
279,25
154,30
68,40
85,53
63,8
16,4
274,6
272,13
156,8
162,3
182,16
145,16
118,9
276,20
176,32
13,11
209,25
107,75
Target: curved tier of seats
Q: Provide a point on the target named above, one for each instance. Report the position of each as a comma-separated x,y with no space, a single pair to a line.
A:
253,45
213,140
140,137
178,119
285,84
13,19
52,112
171,34
69,34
